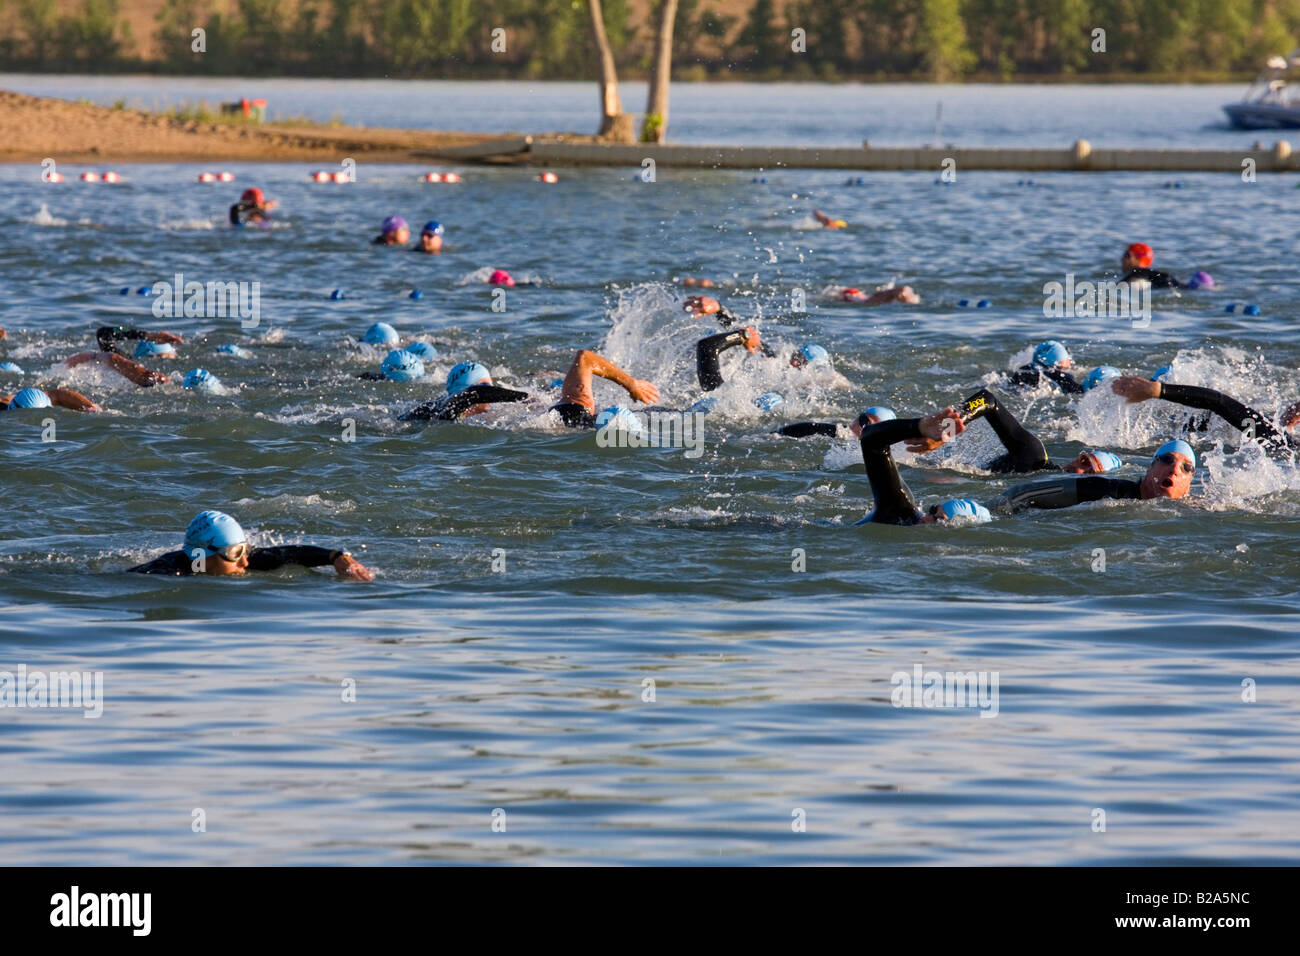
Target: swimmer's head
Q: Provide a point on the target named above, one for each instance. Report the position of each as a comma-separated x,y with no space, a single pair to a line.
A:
871,416
146,349
11,367
200,379
1052,354
394,231
252,197
1102,373
1171,470
1161,372
30,398
1138,256
431,236
500,277
768,401
1201,280
810,355
218,539
852,295
423,351
1093,463
400,365
465,374
381,333
958,509
620,419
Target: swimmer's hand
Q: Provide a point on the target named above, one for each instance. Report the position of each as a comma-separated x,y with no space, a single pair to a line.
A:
1135,389
350,568
936,429
164,338
701,305
1291,417
752,342
643,392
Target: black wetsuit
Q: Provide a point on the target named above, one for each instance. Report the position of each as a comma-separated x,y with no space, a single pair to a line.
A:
1024,452
1158,279
109,335
808,429
707,351
894,503
1032,375
1233,412
1064,492
450,408
259,559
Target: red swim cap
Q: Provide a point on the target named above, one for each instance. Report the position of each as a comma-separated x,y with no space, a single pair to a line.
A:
1142,253
501,277
849,295
253,196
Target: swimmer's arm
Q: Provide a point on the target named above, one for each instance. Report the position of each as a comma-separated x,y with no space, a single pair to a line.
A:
1065,380
308,556
640,391
807,429
452,407
707,350
894,503
132,370
173,562
1025,452
1065,492
67,398
1229,409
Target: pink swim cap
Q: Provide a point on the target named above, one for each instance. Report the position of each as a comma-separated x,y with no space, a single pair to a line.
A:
501,277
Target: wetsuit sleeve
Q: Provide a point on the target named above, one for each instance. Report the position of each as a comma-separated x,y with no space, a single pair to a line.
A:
1064,380
1229,409
1024,452
1064,492
807,429
726,318
173,562
894,503
108,335
707,350
451,407
1027,375
371,376
307,555
234,214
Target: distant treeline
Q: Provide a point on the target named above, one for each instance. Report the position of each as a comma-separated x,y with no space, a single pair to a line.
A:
549,39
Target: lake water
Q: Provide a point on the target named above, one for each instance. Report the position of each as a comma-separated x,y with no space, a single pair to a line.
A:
523,689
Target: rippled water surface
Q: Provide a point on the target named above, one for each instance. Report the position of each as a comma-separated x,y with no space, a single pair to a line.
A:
525,689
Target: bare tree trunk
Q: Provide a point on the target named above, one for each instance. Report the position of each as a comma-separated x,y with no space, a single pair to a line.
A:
656,110
614,123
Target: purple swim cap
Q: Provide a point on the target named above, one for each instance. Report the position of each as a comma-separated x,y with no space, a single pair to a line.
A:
394,223
1201,280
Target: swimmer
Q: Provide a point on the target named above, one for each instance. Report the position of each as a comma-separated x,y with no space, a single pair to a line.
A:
216,544
691,283
393,232
871,416
700,305
107,337
827,221
399,365
1276,442
500,277
470,391
430,241
1136,263
1050,361
48,398
894,503
577,404
883,295
1168,476
708,352
252,207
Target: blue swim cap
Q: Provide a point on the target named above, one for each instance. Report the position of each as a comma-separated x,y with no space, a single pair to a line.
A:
1051,353
618,417
31,398
423,351
236,351
211,530
1178,446
381,333
1109,461
706,404
769,400
146,349
201,379
432,226
881,412
965,508
814,355
401,366
464,375
1102,373
10,367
